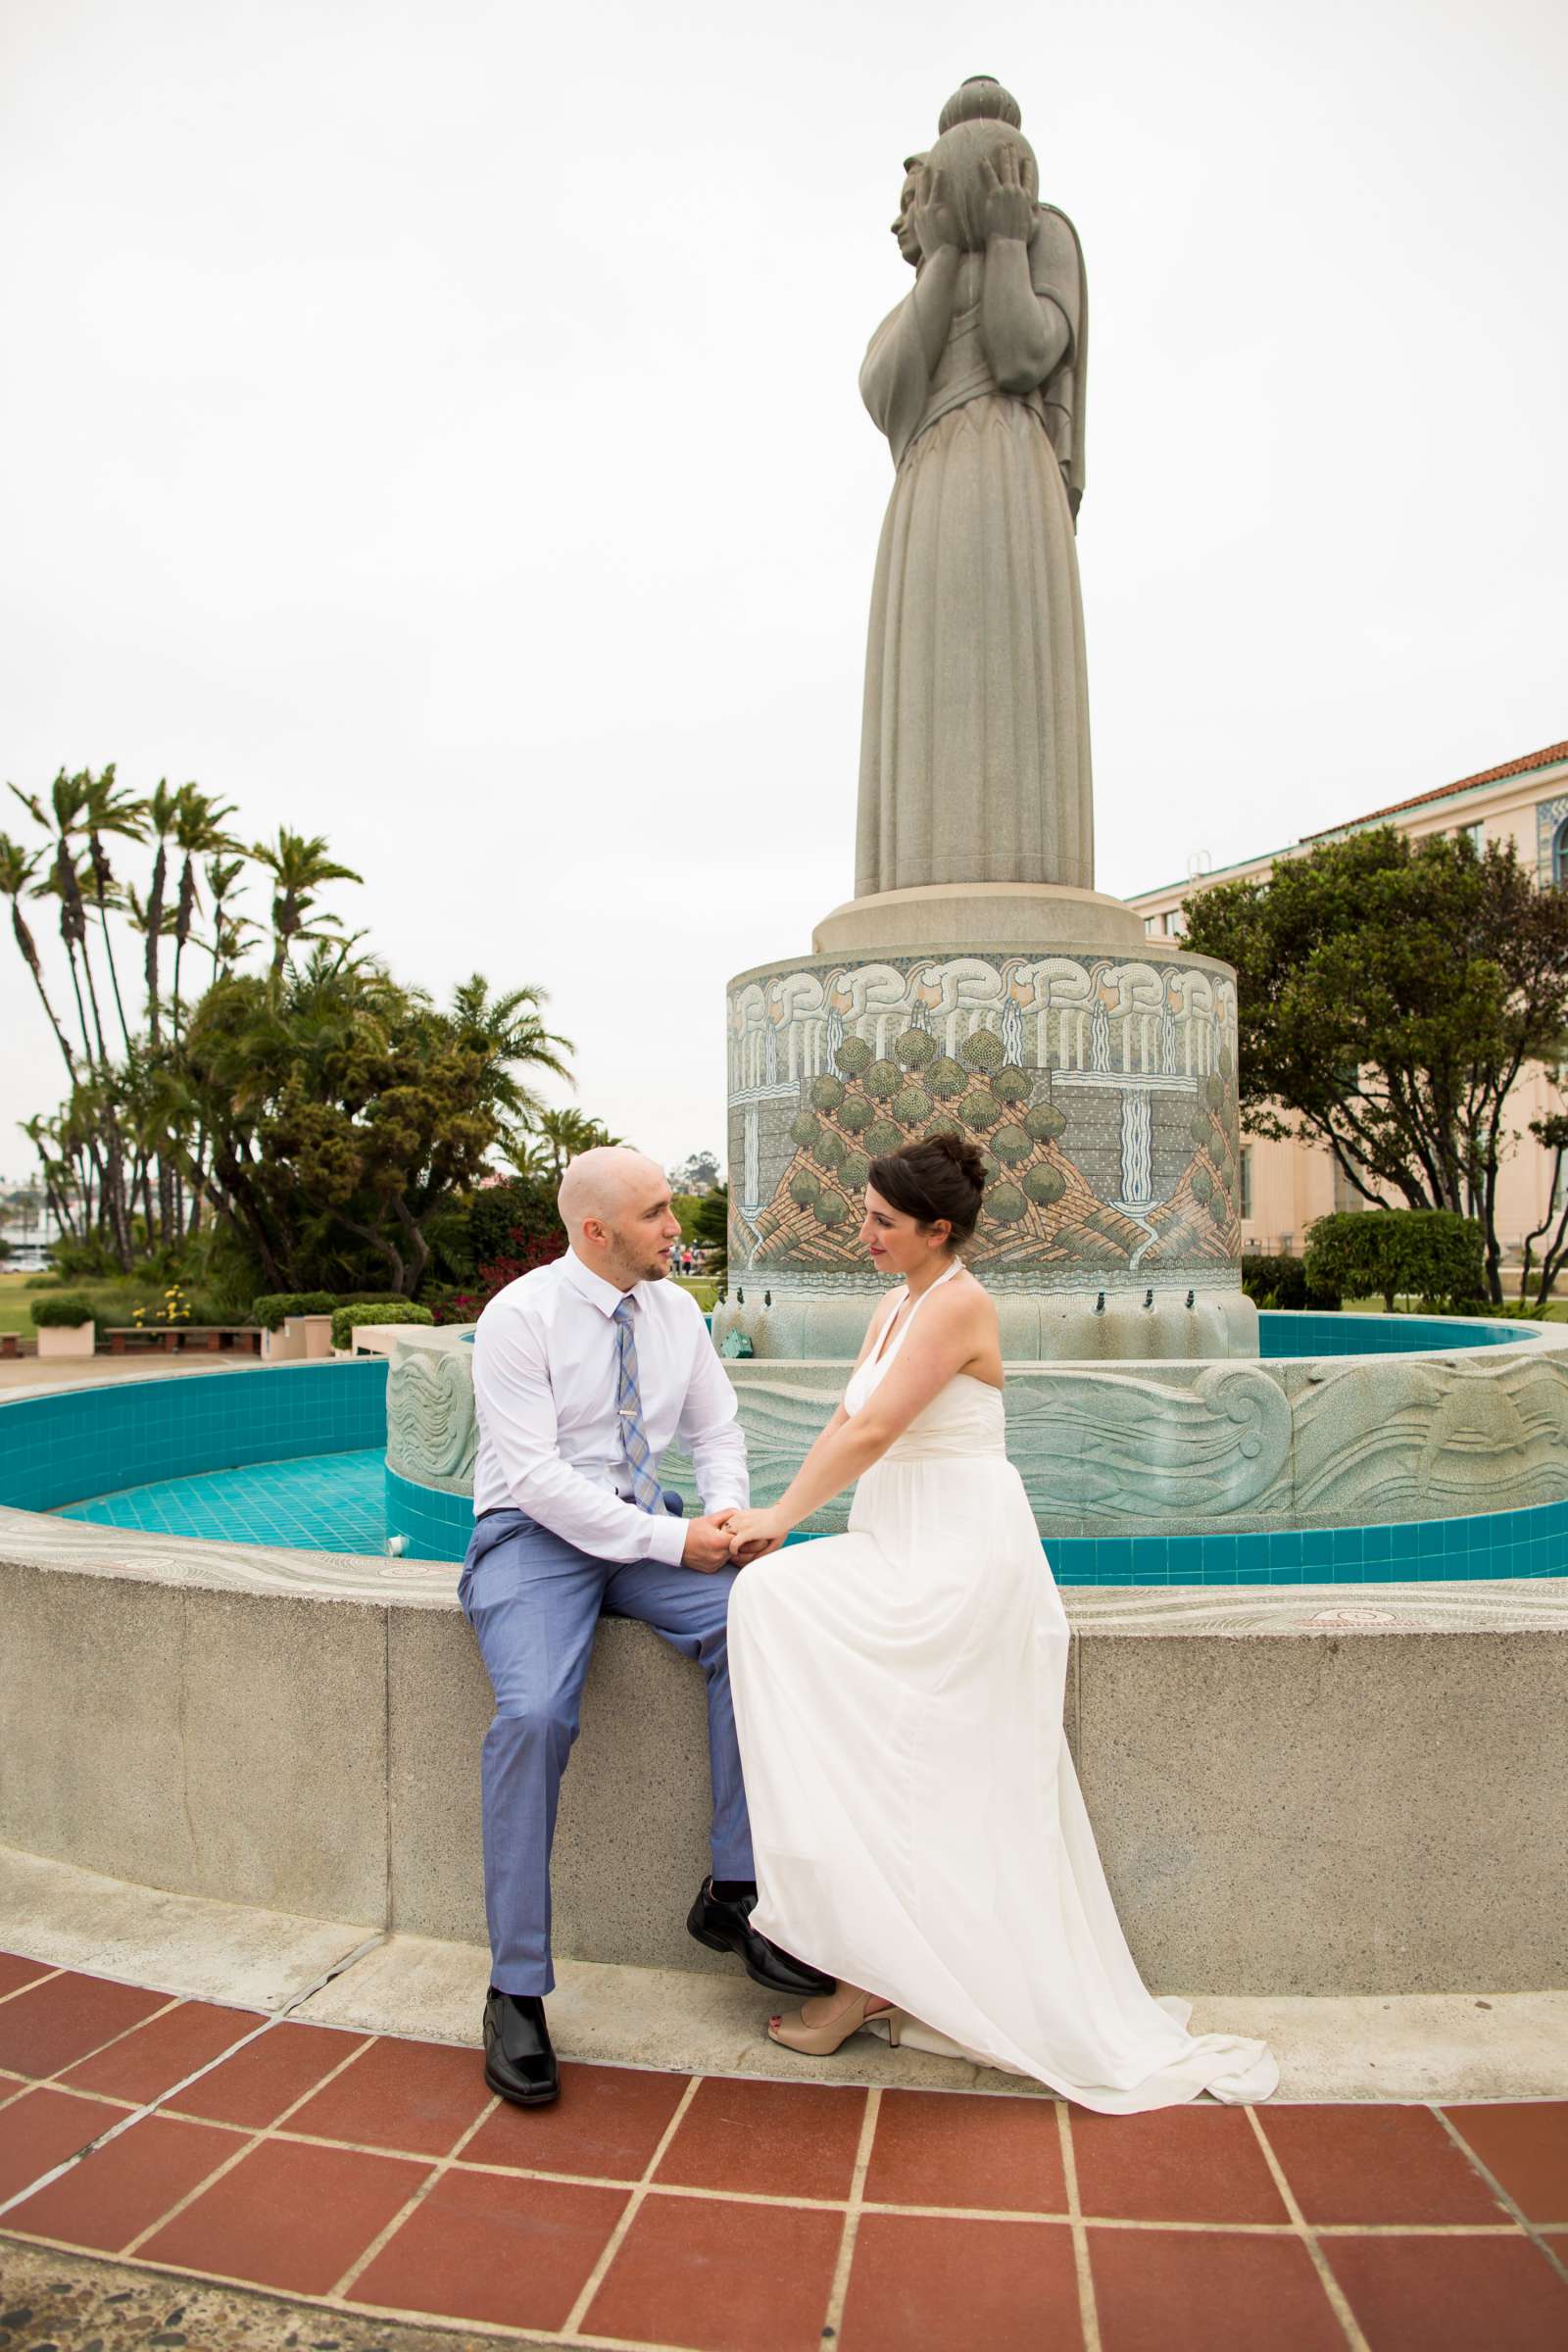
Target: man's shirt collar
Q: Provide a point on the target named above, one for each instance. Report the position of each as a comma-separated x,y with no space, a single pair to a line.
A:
594,1288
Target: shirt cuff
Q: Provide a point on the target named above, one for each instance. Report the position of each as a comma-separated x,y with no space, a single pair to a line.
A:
668,1540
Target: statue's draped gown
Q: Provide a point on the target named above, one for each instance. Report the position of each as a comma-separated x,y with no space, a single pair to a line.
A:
974,751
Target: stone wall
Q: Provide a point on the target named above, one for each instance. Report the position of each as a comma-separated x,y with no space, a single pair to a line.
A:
1318,1792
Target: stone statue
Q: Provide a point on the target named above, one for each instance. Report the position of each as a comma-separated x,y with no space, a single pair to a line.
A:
974,751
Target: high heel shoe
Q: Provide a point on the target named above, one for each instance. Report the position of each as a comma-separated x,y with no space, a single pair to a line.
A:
847,2011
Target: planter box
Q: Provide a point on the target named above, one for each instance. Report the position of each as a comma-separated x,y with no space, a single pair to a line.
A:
285,1346
317,1330
67,1338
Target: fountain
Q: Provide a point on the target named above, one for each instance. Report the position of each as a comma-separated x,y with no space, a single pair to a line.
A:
1297,1789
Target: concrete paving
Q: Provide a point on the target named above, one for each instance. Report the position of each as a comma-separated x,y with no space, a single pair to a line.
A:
1439,2047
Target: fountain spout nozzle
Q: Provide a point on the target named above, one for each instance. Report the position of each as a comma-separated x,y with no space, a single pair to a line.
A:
1189,1298
1148,1300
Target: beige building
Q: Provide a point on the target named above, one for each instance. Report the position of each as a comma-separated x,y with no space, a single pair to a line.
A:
1285,1185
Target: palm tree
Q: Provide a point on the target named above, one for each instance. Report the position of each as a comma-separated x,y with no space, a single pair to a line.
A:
228,940
199,832
162,810
510,1036
108,810
563,1135
299,867
62,818
16,869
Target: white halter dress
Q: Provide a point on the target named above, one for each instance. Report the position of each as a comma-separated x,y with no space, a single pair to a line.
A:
916,1819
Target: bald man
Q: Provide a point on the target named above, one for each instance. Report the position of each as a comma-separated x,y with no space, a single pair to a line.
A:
584,1372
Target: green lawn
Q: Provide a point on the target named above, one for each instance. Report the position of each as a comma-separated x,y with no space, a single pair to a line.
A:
704,1289
119,1298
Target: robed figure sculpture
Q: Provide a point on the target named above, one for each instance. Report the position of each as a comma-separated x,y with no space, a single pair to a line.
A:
974,756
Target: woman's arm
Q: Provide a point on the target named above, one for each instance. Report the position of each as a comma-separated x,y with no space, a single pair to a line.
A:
755,1547
1025,338
953,1333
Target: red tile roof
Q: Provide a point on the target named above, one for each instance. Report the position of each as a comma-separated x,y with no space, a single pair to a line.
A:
1489,775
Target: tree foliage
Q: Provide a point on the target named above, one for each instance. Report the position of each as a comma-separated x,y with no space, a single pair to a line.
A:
1392,993
1389,1253
309,1122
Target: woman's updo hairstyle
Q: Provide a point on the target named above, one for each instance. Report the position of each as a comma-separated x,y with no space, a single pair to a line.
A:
941,1176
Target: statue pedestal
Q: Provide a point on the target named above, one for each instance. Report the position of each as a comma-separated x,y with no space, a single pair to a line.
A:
1100,1083
976,914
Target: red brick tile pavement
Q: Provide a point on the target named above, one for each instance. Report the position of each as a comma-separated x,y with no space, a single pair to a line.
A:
723,2216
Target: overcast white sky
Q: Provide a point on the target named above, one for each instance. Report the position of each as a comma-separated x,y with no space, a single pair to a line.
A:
436,426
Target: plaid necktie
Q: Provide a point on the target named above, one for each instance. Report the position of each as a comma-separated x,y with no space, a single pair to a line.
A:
646,1490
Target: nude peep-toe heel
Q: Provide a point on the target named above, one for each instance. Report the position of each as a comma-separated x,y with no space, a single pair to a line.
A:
851,2013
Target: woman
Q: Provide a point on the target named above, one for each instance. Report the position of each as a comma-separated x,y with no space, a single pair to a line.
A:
915,1815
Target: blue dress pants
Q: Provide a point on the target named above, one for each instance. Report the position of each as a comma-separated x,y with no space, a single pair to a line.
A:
533,1601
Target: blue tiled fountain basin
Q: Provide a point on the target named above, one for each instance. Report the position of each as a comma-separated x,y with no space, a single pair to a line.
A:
293,1456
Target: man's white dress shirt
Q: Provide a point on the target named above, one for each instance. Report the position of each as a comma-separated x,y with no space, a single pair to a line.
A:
546,1386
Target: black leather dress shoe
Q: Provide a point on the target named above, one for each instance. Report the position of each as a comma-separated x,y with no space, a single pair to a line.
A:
519,2063
727,1928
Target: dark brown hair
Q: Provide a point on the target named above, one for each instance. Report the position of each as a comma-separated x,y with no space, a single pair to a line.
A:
941,1176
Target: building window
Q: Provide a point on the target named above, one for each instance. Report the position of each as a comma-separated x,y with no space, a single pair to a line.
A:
1151,926
1475,835
1559,855
1247,1180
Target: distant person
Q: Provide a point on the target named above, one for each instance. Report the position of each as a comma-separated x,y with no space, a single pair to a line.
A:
919,1827
584,1371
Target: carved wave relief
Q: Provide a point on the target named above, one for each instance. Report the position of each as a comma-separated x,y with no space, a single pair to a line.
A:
1106,1446
1432,1438
431,1432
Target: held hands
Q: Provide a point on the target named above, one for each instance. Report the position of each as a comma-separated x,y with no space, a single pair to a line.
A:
1009,208
935,221
706,1544
753,1534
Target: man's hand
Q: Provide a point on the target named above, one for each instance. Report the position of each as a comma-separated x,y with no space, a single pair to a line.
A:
707,1544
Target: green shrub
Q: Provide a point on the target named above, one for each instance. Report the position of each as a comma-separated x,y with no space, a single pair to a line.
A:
856,1115
979,1110
826,1093
1045,1186
855,1171
1202,1183
882,1137
828,1149
911,1103
946,1078
1281,1282
830,1210
883,1080
806,1189
1011,1085
914,1049
805,1129
1011,1144
402,1310
1006,1202
1364,1253
66,1310
853,1056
